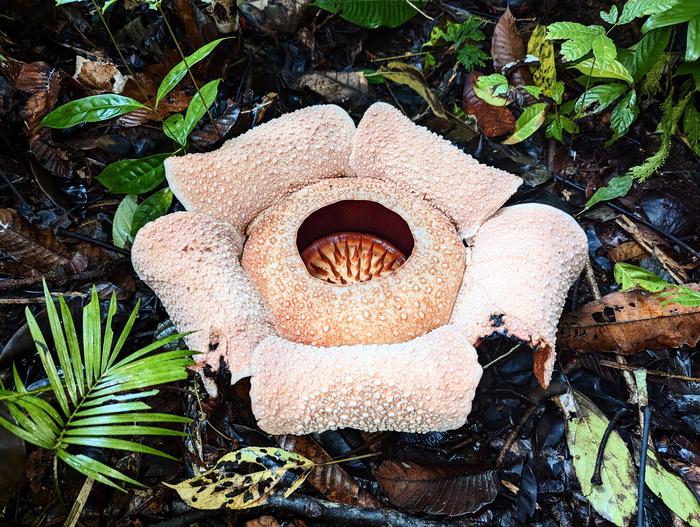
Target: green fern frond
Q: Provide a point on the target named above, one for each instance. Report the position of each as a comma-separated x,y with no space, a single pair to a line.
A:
98,404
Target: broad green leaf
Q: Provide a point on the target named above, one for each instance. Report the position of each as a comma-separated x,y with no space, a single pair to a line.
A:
544,74
556,92
535,91
198,105
91,109
691,127
599,97
489,88
176,74
692,43
229,485
610,16
682,295
154,206
114,408
528,123
624,114
646,53
121,225
672,490
374,14
637,8
558,125
616,188
134,176
573,30
174,128
630,276
615,499
604,51
679,13
692,69
413,78
613,70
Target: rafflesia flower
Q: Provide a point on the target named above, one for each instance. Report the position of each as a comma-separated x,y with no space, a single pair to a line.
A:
350,271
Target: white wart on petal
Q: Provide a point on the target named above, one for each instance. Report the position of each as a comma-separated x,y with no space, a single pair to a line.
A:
390,147
520,266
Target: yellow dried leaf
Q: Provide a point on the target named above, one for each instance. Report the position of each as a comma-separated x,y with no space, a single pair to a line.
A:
544,75
232,484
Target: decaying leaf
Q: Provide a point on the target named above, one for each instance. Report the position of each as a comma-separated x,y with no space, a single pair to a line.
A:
331,480
448,490
98,75
544,74
672,490
614,499
413,78
507,49
493,120
630,321
245,478
35,248
340,87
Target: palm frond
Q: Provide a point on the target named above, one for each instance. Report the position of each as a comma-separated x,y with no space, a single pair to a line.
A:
95,389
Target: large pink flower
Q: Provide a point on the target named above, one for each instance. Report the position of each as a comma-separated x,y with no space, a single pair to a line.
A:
349,272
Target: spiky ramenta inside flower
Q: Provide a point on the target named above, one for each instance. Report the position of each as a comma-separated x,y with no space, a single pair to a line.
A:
349,272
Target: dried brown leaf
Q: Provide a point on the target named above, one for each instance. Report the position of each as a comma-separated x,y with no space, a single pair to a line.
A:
330,480
340,87
492,120
629,322
36,248
507,48
448,490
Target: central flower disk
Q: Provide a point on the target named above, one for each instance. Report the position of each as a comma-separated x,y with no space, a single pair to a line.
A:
312,257
354,241
350,257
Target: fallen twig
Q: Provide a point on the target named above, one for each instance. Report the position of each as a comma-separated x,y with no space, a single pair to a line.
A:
643,466
596,478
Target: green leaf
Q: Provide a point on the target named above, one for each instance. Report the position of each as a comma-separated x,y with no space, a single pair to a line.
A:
646,53
527,124
630,276
228,484
134,176
682,295
612,70
692,69
557,92
59,340
558,125
624,114
176,74
638,8
154,206
604,51
371,15
174,128
578,38
121,225
611,16
679,13
616,188
544,74
116,444
599,97
535,91
692,44
91,109
198,105
489,88
96,470
672,490
615,499
691,127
